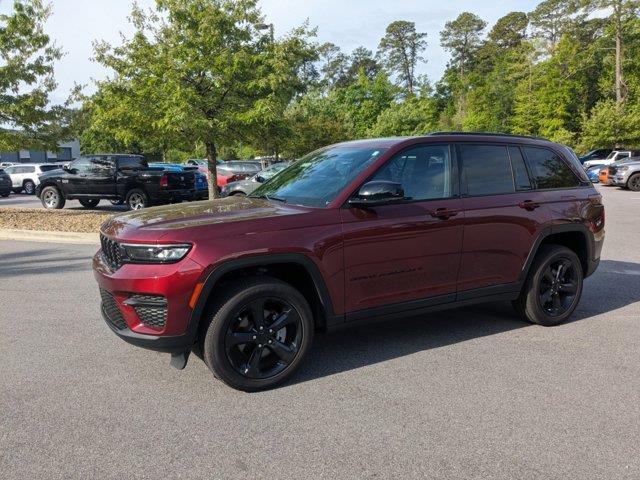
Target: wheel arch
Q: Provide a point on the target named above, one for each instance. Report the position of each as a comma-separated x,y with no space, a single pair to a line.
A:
576,237
296,269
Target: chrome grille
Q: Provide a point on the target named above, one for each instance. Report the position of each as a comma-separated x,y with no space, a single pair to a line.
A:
112,311
111,252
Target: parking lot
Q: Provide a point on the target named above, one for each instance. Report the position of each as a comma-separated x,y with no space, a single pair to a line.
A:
22,200
469,393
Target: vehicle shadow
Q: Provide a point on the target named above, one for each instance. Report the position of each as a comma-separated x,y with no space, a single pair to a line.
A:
363,345
41,261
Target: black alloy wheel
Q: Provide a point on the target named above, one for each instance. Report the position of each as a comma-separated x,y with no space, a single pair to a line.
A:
263,338
558,287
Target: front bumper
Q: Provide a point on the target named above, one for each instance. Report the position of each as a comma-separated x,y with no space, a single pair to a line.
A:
175,282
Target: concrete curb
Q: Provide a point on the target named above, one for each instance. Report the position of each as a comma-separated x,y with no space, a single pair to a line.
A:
49,236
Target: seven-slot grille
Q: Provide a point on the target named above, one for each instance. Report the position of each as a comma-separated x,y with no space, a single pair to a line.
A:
111,252
111,310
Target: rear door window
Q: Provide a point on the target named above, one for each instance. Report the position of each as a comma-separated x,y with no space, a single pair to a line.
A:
131,162
487,169
520,174
548,170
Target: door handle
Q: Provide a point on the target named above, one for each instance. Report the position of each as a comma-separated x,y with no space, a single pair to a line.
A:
529,205
443,213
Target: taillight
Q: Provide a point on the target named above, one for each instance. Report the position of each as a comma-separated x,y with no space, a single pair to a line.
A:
234,178
596,224
164,180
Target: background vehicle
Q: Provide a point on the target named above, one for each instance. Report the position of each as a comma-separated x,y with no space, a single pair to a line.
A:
203,165
594,173
626,175
234,170
379,228
201,183
118,177
598,154
6,164
614,156
27,176
245,187
5,184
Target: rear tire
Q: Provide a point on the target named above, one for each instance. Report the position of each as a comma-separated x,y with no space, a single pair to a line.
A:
89,202
5,194
553,287
29,187
634,182
137,199
239,346
51,198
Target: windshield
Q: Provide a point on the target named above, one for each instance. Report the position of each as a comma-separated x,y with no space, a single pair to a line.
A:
47,168
269,172
611,155
317,178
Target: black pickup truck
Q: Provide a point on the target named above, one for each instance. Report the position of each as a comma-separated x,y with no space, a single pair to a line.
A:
115,177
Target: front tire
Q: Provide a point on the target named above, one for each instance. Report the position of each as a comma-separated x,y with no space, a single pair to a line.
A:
51,198
137,199
553,287
260,330
634,182
89,202
29,187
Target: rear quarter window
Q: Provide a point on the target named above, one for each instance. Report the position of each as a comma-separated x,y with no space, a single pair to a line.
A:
548,170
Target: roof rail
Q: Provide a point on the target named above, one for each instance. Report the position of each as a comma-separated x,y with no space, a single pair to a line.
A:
488,134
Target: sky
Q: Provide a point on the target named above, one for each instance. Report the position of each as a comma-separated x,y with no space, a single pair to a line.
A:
75,24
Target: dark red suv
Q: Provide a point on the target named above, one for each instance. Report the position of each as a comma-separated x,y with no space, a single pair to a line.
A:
374,228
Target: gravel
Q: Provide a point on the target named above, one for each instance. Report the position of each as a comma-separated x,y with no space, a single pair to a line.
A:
51,220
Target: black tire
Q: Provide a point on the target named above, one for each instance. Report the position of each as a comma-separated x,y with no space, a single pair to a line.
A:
29,187
137,199
51,198
5,194
89,202
225,317
634,182
550,296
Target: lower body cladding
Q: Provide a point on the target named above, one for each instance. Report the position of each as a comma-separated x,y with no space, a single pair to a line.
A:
148,305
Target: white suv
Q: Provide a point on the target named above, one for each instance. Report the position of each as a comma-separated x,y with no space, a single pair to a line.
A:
26,176
615,156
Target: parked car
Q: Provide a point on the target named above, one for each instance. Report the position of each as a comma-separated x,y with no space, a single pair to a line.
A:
201,183
598,154
6,164
594,173
245,187
626,175
5,184
118,177
234,170
27,176
614,156
202,164
379,228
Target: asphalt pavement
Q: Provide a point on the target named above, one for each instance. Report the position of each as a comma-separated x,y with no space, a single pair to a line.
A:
22,200
468,393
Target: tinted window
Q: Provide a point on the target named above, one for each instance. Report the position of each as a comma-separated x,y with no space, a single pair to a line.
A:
548,170
81,165
131,162
101,165
317,178
47,168
424,172
487,169
520,175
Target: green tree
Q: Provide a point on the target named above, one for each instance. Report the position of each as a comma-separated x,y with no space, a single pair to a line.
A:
400,50
414,116
27,56
612,126
462,37
510,30
205,70
552,18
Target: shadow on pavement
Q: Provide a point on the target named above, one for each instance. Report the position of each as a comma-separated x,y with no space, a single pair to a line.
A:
355,347
42,261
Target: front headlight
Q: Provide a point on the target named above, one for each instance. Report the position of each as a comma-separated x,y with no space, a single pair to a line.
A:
155,253
622,169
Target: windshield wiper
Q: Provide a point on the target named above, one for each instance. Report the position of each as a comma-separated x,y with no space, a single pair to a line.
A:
277,199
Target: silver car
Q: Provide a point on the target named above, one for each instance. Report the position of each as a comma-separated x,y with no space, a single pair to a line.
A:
626,175
245,187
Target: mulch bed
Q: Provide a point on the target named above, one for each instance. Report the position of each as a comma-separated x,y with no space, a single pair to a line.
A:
51,220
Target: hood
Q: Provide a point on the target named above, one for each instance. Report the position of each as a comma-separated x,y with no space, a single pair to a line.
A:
148,223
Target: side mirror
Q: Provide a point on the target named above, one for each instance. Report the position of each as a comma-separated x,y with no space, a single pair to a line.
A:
259,179
378,192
